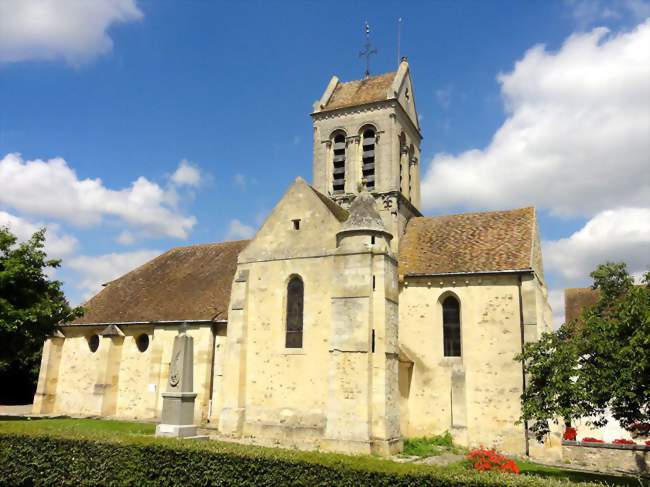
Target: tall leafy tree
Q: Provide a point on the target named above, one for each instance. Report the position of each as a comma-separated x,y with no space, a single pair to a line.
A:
599,362
31,306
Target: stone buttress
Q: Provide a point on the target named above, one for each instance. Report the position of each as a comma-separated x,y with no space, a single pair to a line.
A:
363,397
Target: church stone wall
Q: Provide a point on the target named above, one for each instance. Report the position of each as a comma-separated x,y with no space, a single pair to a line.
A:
476,396
77,375
286,388
118,380
270,391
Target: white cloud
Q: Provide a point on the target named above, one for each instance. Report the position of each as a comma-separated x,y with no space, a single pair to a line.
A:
443,96
588,12
57,245
576,137
52,189
125,238
187,174
613,235
237,230
94,271
73,30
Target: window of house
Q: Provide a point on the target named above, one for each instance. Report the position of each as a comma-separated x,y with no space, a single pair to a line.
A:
368,158
93,343
451,326
142,342
338,161
295,306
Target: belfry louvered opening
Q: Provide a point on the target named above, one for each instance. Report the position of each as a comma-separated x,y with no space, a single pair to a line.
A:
368,158
338,161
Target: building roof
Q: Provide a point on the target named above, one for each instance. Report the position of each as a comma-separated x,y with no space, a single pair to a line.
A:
364,215
193,283
340,213
185,283
492,241
358,92
576,299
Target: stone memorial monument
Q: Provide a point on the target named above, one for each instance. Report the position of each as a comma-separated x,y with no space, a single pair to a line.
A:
178,402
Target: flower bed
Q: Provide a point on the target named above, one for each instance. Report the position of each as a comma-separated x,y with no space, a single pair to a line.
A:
490,461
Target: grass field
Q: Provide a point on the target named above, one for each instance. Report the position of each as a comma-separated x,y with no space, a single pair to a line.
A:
114,430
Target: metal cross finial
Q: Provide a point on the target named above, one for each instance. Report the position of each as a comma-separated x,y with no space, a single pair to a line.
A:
368,50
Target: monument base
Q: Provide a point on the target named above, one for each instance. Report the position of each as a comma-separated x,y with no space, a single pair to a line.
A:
178,408
176,430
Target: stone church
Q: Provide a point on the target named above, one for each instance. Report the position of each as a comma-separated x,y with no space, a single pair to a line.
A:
348,322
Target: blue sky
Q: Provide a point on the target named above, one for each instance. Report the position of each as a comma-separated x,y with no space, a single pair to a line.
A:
111,92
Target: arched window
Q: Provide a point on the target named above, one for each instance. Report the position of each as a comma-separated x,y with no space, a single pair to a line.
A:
403,156
368,158
411,163
451,326
295,305
338,161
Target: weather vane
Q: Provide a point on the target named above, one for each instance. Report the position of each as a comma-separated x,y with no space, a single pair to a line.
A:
368,50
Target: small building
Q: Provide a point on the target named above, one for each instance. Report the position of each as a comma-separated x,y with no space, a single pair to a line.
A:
348,322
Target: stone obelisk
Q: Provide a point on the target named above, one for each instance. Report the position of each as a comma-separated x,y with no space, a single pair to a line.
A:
178,402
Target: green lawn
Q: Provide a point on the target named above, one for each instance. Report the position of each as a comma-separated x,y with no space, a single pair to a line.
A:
70,426
116,430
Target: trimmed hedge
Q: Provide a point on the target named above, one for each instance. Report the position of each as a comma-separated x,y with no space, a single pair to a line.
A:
37,459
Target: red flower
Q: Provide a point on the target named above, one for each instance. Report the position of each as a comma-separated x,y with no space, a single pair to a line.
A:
487,460
570,434
647,442
592,440
623,441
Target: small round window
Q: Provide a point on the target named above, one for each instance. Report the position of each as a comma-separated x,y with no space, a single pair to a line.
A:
143,342
93,343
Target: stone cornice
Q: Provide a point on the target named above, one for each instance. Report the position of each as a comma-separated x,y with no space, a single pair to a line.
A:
367,107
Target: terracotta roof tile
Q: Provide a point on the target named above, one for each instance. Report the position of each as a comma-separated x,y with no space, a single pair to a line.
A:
361,91
469,242
184,283
576,299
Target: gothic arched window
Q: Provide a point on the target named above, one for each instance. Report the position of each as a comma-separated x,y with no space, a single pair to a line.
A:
368,158
338,163
451,326
295,306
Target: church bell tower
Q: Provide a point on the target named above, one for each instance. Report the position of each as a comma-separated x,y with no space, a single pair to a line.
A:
367,136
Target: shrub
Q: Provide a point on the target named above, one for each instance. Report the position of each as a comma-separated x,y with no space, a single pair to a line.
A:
623,441
491,461
570,434
428,445
589,439
37,459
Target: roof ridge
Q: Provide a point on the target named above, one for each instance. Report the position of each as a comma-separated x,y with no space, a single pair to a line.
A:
477,212
169,251
369,77
207,244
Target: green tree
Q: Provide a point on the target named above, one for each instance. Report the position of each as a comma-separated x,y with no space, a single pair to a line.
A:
598,362
31,306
